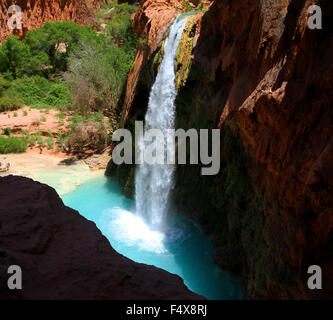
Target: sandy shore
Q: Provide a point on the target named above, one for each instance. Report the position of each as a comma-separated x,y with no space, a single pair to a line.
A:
58,171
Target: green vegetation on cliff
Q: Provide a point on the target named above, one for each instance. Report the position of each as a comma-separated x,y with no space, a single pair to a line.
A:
94,65
70,67
115,21
184,53
12,145
36,92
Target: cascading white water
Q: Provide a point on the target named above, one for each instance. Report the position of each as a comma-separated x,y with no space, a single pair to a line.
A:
154,182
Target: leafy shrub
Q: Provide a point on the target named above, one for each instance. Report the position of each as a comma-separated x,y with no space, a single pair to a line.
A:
97,71
37,136
10,103
3,84
95,66
60,116
119,23
40,141
89,134
35,123
62,138
58,96
41,106
89,131
24,132
187,6
97,76
39,92
7,131
77,119
40,52
12,145
14,56
50,143
26,135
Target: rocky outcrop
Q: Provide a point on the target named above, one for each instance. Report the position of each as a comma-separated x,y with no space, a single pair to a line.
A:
276,74
36,12
65,256
263,77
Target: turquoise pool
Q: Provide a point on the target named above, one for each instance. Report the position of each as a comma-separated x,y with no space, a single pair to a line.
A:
181,247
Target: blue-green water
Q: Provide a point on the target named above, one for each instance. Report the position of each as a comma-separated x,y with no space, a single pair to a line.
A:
182,248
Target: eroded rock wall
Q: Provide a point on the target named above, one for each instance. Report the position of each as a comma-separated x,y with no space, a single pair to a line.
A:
36,12
279,102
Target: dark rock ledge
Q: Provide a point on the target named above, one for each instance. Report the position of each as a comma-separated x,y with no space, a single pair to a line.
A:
65,256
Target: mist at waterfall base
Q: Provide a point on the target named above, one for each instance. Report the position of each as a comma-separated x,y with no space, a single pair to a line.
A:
181,248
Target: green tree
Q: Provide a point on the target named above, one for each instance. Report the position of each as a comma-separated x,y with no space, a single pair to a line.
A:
14,55
56,40
3,84
96,75
17,59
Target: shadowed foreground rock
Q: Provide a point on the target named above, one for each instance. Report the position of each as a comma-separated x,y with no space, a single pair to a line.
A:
65,256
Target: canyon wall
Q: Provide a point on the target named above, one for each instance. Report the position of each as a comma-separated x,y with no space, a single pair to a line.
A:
278,102
36,12
256,71
64,256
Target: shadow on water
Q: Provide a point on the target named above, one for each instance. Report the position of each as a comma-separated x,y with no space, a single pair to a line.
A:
193,253
181,248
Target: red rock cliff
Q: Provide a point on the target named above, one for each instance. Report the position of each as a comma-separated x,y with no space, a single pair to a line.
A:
279,102
36,12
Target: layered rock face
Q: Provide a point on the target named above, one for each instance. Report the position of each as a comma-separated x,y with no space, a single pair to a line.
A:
36,12
65,256
263,77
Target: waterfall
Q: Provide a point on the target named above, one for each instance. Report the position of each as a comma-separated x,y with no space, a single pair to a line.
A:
154,182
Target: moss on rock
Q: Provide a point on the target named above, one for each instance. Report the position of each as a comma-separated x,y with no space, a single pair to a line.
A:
184,53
